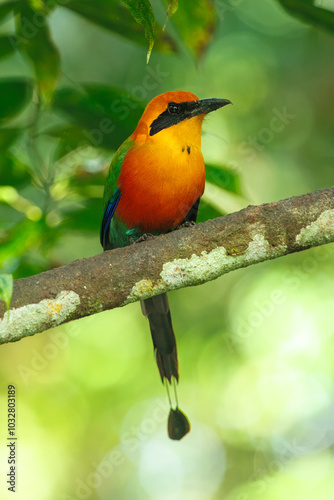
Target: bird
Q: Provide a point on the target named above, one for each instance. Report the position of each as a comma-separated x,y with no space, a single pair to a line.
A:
154,185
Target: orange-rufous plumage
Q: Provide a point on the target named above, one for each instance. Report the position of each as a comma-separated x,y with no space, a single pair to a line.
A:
155,182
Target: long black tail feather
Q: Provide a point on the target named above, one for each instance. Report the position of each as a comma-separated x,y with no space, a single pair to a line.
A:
158,313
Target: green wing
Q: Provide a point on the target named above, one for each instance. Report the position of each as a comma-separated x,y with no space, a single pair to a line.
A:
115,170
113,232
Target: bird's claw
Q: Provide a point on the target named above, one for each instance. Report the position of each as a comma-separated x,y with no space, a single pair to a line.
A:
143,237
186,223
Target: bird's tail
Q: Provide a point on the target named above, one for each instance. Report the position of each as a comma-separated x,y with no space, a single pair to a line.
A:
158,313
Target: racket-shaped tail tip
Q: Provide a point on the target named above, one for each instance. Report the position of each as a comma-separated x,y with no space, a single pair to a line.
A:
178,424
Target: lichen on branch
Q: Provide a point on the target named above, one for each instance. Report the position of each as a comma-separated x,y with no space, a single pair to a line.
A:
182,258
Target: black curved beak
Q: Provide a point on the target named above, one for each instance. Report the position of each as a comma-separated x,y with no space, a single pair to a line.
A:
185,110
204,106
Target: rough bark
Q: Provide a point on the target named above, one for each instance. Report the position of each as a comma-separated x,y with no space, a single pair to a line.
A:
181,258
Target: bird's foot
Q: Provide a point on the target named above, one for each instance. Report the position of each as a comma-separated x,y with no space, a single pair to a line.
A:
143,237
186,223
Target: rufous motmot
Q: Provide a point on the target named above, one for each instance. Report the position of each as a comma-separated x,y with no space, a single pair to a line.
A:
154,185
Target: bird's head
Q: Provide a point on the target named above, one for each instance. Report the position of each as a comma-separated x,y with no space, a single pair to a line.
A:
168,111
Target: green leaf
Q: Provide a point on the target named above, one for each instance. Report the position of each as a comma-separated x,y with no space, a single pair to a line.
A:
40,49
114,16
7,45
6,288
71,138
12,173
102,116
18,92
27,236
7,137
306,11
119,103
6,8
207,211
86,217
173,5
223,178
195,22
141,11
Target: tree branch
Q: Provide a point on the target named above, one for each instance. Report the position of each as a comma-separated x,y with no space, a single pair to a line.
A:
178,259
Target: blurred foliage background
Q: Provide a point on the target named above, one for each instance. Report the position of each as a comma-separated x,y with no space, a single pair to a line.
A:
255,347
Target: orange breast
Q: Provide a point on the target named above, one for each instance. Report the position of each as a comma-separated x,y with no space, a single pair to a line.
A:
159,184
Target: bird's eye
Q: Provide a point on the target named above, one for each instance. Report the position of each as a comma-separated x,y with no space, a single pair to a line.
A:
173,108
